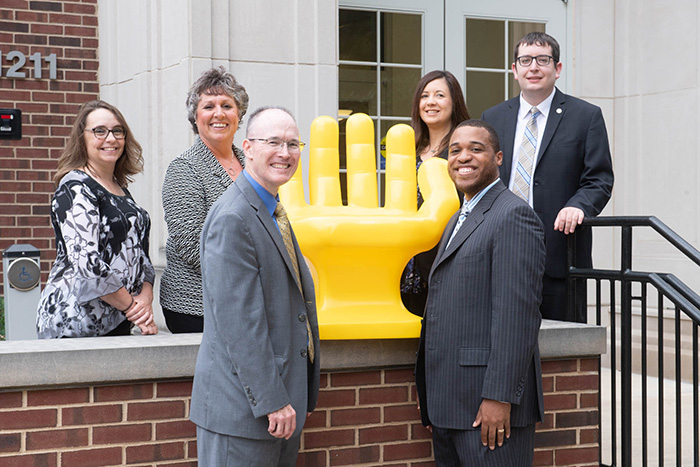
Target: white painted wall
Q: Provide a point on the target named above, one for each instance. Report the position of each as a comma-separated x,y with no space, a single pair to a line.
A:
283,52
638,60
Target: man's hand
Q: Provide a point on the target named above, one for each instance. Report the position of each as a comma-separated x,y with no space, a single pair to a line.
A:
568,219
359,250
494,418
283,422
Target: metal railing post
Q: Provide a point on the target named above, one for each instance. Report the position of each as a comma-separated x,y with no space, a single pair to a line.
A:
626,347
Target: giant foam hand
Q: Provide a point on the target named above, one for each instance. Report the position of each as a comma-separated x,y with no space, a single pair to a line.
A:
357,252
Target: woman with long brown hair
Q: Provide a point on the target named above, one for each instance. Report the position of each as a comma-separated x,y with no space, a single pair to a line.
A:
438,107
102,280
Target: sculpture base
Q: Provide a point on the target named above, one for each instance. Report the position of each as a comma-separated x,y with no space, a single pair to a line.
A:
368,322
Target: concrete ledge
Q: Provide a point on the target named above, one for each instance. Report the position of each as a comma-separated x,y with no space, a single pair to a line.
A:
111,360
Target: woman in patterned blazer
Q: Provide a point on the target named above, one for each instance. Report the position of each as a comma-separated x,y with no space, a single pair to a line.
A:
216,104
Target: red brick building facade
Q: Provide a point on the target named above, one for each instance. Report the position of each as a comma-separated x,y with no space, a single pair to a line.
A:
68,29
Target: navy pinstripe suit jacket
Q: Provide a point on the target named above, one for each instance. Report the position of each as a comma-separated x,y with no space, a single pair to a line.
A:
482,319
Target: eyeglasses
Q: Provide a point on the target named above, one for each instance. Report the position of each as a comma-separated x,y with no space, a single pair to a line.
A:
102,132
293,146
542,60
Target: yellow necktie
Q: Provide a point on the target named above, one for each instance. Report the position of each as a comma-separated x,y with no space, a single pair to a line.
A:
286,231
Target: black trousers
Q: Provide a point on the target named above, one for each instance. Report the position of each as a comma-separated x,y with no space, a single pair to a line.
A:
180,323
554,301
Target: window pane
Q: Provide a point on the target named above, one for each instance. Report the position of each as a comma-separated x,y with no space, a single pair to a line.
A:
485,47
516,30
357,89
484,90
398,86
401,38
357,35
513,87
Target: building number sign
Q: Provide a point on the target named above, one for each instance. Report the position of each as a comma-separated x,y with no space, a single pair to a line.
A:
18,60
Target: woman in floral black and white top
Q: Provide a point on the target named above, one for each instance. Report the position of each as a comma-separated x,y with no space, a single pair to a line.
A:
102,280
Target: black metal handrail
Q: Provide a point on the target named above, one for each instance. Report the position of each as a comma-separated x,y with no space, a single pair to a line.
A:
668,288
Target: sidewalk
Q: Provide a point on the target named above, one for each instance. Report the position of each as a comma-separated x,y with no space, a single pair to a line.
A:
669,425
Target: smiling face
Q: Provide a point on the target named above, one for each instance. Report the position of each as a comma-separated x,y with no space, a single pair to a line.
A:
271,167
435,104
472,162
102,152
217,120
536,82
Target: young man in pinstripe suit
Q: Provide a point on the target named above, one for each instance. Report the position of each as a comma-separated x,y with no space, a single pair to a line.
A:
478,370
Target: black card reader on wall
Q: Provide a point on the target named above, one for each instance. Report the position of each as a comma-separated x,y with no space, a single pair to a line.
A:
10,124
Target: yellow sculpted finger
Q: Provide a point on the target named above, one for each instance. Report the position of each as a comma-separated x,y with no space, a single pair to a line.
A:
324,167
361,161
400,191
292,192
437,188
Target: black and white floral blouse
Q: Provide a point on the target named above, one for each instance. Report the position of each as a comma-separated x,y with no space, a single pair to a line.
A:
102,245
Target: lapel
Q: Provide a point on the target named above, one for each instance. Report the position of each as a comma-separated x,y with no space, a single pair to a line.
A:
471,223
508,136
267,222
556,113
209,163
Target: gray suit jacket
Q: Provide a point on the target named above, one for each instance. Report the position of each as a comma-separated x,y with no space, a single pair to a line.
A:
482,319
252,360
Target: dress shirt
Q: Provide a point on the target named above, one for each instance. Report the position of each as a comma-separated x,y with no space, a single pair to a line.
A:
523,117
267,198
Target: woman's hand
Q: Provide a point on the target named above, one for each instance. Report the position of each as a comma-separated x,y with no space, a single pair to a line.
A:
141,312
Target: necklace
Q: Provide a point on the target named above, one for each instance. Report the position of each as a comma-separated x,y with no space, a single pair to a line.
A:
231,170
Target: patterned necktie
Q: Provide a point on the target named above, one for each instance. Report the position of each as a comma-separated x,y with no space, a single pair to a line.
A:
286,231
462,216
526,158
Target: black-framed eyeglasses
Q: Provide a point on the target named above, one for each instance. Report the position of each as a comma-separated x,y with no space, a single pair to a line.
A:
101,132
542,60
293,146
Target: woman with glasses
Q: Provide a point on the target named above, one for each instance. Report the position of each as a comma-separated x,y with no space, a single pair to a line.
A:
101,283
438,107
216,104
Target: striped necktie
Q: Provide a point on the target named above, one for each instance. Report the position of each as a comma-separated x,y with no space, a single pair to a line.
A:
463,213
526,158
286,231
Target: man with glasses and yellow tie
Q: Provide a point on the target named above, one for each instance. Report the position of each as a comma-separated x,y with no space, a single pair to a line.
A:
257,372
556,157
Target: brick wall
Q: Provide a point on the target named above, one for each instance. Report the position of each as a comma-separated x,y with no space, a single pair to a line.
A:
569,433
363,418
68,29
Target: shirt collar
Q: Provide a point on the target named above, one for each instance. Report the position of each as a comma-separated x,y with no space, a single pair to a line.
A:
543,106
268,200
469,206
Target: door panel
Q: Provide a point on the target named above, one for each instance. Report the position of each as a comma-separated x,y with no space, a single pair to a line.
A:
480,37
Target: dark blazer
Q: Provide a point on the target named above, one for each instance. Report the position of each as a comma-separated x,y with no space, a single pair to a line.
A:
574,169
482,319
252,360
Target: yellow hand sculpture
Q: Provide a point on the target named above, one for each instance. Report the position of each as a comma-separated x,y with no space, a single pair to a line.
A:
358,251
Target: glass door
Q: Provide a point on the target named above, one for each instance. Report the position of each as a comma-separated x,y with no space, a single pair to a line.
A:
483,35
384,47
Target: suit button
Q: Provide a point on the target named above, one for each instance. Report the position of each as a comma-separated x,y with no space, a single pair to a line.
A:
303,353
302,317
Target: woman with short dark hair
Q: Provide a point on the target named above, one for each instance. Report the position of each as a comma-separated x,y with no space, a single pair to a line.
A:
216,104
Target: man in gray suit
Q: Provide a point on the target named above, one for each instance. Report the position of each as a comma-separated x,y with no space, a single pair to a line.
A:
257,372
478,370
